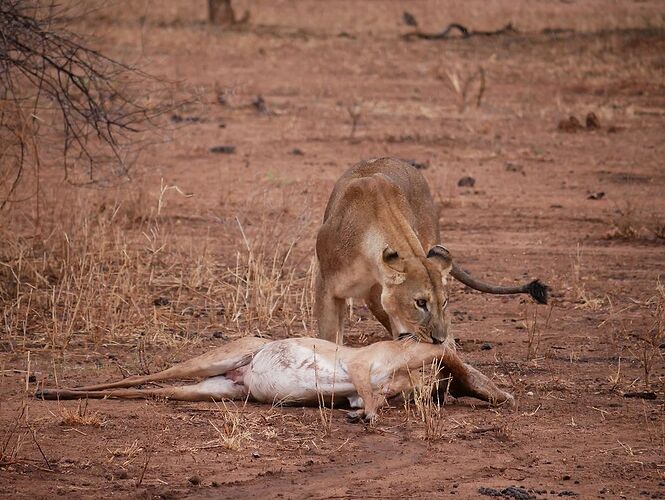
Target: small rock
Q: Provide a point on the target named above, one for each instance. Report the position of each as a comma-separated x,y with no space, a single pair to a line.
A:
214,484
227,150
566,477
530,393
195,480
466,182
418,165
571,125
486,346
297,152
219,335
32,379
598,195
222,125
592,121
256,454
640,395
176,118
260,104
161,301
409,19
514,167
122,474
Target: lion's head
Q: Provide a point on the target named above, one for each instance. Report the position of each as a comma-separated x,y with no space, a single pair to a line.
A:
414,293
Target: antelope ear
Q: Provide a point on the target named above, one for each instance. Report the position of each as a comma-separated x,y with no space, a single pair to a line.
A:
394,266
441,255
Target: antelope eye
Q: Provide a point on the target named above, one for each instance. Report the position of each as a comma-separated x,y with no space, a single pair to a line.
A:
422,304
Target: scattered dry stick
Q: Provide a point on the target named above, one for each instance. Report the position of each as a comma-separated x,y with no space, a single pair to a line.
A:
463,30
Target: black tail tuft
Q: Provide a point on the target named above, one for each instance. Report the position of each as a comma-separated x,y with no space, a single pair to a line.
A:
539,291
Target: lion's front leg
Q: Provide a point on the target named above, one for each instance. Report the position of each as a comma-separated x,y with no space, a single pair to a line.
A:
373,302
329,311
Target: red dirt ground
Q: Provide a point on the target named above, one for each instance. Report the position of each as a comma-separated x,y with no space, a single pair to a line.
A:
528,215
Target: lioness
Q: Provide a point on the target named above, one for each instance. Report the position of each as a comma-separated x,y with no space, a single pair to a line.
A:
302,370
380,242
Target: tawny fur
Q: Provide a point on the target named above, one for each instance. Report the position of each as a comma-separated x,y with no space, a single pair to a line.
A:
380,242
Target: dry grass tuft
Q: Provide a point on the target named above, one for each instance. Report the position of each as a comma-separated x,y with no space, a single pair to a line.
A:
581,297
127,454
230,427
425,404
14,437
644,343
534,330
80,416
631,223
649,342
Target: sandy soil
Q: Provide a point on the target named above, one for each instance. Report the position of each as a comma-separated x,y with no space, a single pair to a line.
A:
529,214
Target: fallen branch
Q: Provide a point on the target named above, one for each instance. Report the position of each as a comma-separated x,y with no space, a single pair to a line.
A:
463,30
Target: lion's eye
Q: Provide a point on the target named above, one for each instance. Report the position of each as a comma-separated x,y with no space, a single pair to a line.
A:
422,304
445,304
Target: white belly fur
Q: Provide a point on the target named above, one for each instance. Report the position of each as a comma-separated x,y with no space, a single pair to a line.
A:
291,370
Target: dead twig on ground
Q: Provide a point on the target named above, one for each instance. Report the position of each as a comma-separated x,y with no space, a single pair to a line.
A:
465,32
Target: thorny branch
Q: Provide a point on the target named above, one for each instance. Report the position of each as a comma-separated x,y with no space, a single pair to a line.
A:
51,82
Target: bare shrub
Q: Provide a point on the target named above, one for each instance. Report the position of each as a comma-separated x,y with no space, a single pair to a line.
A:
644,342
59,97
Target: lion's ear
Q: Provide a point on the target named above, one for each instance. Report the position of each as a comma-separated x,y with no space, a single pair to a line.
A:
441,255
394,266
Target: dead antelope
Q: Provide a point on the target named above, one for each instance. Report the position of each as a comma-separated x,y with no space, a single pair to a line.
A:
302,370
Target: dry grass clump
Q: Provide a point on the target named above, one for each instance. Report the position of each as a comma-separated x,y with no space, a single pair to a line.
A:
631,223
648,349
581,297
80,416
534,330
113,272
425,404
232,431
644,343
15,437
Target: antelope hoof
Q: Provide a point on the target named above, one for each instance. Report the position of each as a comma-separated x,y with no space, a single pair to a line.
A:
504,399
355,416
